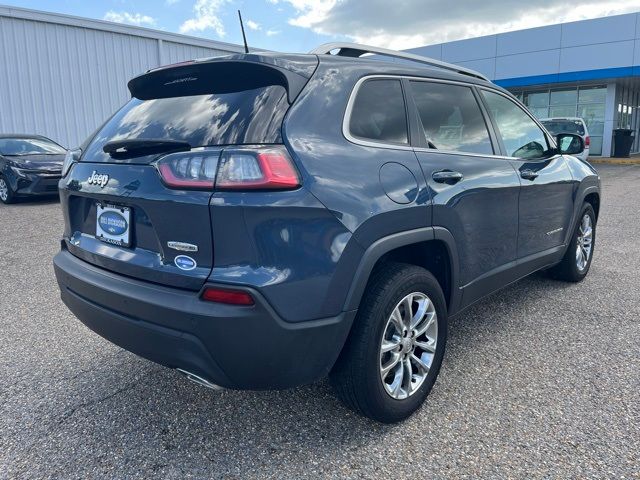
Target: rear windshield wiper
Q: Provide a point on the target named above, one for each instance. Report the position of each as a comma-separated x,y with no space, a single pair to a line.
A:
138,147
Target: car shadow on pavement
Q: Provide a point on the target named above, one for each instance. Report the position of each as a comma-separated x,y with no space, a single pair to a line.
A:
32,201
127,407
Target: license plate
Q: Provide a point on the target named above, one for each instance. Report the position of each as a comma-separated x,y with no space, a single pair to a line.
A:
113,224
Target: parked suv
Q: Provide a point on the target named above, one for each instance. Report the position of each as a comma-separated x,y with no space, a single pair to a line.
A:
261,221
576,125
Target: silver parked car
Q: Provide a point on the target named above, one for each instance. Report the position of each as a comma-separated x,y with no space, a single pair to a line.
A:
575,125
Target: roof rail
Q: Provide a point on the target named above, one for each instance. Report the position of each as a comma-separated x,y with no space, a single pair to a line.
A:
357,50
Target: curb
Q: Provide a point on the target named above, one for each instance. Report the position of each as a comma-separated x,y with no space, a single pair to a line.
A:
615,161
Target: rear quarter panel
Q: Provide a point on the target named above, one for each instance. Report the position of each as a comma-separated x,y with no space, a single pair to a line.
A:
346,177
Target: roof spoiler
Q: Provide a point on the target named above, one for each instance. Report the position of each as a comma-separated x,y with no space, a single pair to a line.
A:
357,50
222,75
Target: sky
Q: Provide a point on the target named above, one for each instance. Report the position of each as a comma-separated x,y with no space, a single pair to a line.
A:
300,25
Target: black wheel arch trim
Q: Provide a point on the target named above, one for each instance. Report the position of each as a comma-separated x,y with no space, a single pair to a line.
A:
402,239
582,194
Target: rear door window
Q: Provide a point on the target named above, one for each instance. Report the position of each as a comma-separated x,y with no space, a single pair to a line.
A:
451,117
379,112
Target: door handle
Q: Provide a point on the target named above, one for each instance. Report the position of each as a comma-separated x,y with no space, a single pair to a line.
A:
447,176
529,174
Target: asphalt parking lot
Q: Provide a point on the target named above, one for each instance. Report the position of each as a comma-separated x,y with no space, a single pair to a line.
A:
542,380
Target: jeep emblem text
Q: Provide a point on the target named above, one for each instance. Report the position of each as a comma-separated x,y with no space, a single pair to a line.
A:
98,179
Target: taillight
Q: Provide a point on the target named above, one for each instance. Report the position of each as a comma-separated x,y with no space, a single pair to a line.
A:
231,297
241,168
257,168
194,169
587,141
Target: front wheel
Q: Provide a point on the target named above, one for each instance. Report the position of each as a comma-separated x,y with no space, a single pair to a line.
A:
394,352
6,194
577,260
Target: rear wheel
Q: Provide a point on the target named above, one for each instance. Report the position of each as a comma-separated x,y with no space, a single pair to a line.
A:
394,352
6,194
577,260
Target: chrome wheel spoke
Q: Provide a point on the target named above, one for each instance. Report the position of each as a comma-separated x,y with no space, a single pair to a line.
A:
396,386
428,322
390,345
395,358
429,346
396,320
408,376
422,365
423,305
407,302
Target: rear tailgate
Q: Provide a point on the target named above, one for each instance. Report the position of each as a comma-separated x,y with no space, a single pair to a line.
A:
158,216
207,106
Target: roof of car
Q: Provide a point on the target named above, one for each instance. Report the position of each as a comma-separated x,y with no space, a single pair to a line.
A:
22,135
407,68
377,65
557,119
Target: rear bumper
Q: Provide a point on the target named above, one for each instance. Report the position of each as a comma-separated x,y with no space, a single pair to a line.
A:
234,347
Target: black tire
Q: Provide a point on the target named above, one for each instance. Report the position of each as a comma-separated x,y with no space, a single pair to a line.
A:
567,270
356,377
9,196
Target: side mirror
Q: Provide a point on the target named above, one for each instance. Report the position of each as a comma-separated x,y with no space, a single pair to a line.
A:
570,144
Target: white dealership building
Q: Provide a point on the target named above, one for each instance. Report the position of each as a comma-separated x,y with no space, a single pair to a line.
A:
62,76
589,69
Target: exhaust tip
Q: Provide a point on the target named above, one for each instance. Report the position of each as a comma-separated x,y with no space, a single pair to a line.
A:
199,380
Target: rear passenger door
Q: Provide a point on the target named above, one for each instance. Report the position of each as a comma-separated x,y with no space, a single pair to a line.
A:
546,197
474,191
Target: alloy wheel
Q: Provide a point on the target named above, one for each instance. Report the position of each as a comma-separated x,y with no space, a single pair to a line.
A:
4,190
408,345
584,243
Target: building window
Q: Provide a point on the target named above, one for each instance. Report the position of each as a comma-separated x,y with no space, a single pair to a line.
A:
587,103
591,106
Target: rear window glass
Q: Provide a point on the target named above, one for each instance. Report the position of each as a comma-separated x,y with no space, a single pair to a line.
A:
564,126
235,118
378,112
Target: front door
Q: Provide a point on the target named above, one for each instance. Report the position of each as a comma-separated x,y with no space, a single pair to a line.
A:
546,197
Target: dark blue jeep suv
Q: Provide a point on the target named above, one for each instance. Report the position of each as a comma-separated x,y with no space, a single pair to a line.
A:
261,221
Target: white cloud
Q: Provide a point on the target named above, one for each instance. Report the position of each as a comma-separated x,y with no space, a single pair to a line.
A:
253,25
130,18
313,12
412,23
271,32
206,18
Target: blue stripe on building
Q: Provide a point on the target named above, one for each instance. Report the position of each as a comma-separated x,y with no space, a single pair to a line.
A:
566,77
